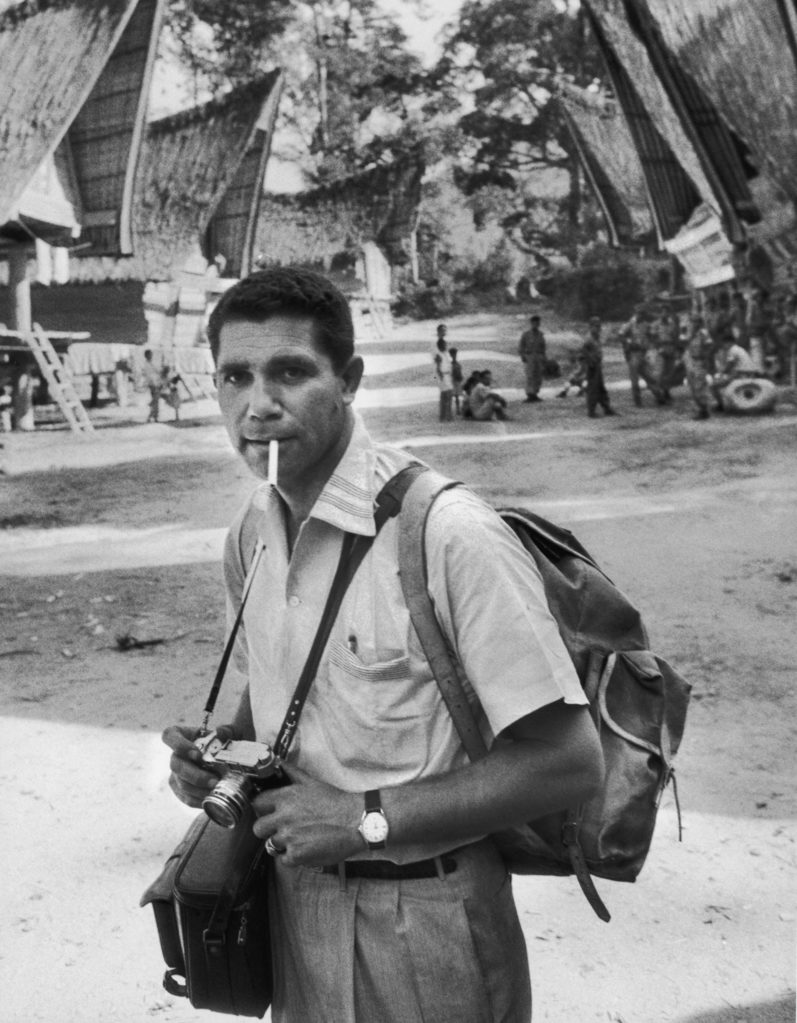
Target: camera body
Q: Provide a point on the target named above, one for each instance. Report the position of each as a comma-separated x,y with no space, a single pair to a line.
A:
246,768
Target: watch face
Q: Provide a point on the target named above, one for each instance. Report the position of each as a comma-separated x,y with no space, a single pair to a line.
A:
374,827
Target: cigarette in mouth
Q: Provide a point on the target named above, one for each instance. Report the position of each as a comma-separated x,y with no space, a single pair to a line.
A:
273,455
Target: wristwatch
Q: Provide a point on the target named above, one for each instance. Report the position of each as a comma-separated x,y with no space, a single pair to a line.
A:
373,824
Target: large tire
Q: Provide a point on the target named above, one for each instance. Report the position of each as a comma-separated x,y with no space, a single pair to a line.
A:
750,396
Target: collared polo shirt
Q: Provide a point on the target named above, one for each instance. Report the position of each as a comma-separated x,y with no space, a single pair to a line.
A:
374,716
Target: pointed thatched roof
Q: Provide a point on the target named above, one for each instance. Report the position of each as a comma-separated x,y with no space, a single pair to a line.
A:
52,57
744,56
673,194
200,164
611,162
379,205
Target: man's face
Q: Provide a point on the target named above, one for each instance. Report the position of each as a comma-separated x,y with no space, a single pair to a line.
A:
275,382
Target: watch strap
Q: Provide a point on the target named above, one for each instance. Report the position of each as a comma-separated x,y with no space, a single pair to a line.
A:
373,801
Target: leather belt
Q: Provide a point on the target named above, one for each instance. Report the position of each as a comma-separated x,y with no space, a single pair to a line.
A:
384,870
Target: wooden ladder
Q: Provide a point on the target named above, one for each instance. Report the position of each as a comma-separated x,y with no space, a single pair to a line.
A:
59,380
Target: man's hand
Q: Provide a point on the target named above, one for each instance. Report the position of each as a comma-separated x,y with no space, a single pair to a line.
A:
314,823
190,780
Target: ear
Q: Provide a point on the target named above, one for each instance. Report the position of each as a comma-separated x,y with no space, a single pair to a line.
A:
350,377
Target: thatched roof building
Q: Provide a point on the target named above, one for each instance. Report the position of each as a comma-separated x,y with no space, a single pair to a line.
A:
708,91
744,56
610,161
200,181
326,223
74,78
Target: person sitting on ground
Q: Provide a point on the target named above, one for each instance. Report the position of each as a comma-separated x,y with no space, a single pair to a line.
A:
467,389
486,403
575,376
457,378
733,362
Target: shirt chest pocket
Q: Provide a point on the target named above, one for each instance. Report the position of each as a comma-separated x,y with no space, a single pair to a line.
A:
375,713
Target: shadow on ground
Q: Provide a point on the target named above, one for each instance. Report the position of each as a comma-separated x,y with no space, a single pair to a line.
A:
782,1010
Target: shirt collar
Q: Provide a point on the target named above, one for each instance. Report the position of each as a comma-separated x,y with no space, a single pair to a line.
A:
347,500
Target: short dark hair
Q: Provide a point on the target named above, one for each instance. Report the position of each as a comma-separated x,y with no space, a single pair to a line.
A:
292,291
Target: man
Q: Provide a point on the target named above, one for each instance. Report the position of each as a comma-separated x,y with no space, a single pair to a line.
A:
484,402
591,358
759,322
153,378
443,375
636,338
420,924
669,349
531,349
698,354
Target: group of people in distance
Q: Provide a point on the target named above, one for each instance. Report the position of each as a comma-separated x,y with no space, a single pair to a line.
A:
474,398
728,336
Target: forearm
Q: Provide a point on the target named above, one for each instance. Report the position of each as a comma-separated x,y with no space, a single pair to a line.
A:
515,783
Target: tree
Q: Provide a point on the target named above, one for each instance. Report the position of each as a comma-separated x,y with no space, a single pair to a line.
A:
222,44
509,55
354,96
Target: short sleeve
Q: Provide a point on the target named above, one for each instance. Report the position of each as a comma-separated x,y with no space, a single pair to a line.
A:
490,601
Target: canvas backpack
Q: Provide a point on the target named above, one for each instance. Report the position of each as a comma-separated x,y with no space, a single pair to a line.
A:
637,700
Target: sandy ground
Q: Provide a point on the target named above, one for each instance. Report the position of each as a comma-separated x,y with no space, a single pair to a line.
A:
121,534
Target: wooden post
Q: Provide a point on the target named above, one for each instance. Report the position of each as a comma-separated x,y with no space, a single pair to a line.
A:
19,286
21,320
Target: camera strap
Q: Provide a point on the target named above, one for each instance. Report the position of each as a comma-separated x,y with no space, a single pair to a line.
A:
355,547
213,695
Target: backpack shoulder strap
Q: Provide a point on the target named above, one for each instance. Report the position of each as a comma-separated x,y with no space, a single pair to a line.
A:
418,501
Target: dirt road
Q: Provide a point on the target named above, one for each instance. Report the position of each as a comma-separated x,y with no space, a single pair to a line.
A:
695,521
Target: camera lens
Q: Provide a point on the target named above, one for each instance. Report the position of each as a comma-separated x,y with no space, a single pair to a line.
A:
228,801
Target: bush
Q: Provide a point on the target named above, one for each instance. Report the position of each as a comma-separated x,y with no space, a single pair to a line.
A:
609,290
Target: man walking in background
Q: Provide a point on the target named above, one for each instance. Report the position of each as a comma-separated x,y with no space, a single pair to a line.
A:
591,358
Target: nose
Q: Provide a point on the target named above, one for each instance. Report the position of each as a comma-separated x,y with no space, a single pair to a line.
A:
264,402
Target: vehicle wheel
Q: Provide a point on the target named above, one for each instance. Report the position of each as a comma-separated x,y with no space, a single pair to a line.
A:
750,396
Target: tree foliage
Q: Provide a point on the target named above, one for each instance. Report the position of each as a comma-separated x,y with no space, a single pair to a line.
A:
354,94
510,55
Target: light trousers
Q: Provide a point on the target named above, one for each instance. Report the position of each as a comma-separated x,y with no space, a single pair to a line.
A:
408,951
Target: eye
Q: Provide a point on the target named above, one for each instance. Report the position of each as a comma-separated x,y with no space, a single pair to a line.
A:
235,377
293,374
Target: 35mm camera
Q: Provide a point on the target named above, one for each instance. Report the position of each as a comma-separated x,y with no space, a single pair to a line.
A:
246,768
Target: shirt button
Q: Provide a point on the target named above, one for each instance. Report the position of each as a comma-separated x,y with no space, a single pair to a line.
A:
294,601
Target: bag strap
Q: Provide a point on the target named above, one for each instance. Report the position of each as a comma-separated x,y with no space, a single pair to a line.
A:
355,547
413,573
444,663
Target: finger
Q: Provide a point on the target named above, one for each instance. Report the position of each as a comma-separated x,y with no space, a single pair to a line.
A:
181,740
196,775
264,828
187,795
